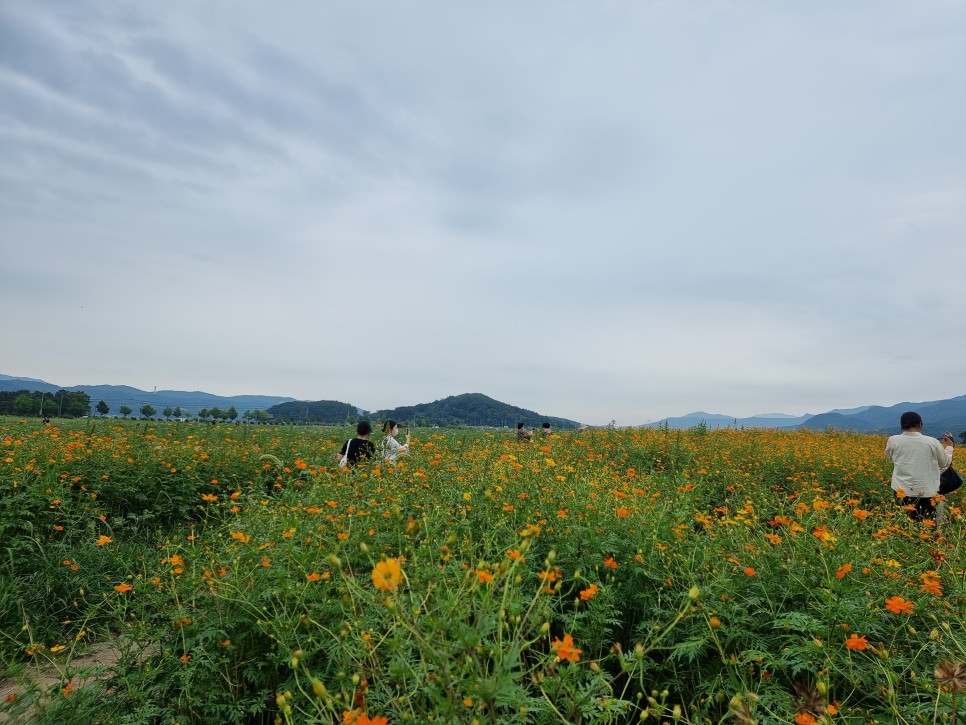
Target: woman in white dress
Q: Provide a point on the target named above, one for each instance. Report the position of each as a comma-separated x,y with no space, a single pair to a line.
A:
391,448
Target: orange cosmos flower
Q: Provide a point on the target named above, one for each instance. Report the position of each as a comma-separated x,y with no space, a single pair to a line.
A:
374,720
609,561
931,583
823,533
565,649
843,570
589,593
898,605
805,718
125,587
856,642
104,540
210,497
387,575
313,577
301,465
749,571
484,576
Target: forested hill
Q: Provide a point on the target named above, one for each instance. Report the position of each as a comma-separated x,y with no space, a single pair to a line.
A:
471,409
320,411
466,409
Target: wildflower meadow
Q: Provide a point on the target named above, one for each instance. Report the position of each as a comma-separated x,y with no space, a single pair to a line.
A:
238,575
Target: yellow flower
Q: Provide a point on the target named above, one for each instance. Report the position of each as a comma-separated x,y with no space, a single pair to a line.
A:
387,575
104,540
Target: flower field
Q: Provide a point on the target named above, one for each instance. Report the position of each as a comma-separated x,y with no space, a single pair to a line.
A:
607,576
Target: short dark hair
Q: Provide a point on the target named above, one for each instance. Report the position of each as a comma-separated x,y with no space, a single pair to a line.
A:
546,425
363,428
519,426
389,425
910,419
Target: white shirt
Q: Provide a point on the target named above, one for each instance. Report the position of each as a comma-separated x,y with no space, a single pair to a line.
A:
918,462
391,448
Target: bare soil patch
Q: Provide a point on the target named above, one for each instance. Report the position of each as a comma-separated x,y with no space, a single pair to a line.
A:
80,670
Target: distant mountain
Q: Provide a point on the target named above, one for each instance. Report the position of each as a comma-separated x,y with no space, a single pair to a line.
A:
713,420
466,409
938,416
117,395
471,409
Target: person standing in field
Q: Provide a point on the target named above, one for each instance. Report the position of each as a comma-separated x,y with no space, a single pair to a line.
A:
523,434
358,448
918,460
547,430
391,448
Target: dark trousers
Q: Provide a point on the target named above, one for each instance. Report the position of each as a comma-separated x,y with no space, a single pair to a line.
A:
922,508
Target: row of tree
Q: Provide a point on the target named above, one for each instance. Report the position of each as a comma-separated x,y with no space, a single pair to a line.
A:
62,404
215,414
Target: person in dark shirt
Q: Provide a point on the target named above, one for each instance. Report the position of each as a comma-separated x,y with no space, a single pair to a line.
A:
360,447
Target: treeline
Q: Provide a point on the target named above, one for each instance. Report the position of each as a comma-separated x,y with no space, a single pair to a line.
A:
62,404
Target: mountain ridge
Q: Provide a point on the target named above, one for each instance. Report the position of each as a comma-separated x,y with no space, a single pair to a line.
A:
475,408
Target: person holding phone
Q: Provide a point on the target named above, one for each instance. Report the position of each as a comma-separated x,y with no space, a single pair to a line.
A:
391,448
918,460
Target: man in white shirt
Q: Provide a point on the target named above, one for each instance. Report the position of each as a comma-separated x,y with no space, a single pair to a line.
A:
918,461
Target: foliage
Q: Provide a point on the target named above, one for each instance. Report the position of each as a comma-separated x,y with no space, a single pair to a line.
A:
471,409
607,576
63,403
330,412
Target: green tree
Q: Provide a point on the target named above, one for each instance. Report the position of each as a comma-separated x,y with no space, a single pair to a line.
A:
217,413
203,413
125,410
74,404
103,408
231,413
24,404
178,413
147,410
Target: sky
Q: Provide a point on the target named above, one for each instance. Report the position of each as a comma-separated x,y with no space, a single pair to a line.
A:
602,211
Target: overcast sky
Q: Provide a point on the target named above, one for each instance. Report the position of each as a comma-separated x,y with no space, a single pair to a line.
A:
594,210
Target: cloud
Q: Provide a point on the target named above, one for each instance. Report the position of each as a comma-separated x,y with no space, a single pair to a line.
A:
601,212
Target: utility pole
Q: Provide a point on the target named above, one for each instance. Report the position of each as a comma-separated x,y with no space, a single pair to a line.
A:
41,404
